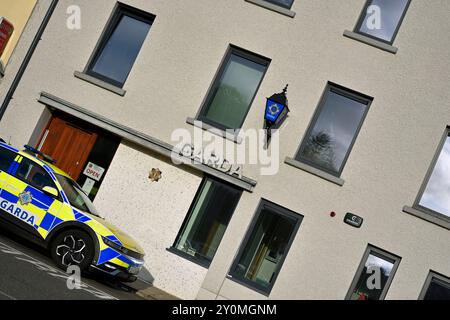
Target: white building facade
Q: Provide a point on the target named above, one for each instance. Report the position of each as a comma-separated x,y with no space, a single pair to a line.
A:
361,186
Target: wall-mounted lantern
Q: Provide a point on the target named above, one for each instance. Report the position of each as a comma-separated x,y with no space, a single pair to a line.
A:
276,112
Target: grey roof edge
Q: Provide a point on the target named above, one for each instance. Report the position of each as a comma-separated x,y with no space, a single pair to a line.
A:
141,139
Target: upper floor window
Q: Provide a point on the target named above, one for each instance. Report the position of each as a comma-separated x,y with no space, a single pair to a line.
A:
381,19
333,130
233,90
120,45
282,3
434,195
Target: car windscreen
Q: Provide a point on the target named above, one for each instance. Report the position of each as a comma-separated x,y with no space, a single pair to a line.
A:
76,195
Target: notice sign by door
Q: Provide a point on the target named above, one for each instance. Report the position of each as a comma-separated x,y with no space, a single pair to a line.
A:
94,171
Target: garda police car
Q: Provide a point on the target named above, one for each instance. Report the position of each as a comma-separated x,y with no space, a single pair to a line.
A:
42,203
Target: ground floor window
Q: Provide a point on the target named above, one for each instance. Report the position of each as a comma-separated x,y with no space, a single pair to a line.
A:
374,275
265,247
437,287
207,220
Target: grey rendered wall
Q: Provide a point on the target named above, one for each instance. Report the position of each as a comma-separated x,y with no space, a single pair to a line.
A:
170,79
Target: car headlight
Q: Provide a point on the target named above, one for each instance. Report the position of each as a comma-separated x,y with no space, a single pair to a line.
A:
115,246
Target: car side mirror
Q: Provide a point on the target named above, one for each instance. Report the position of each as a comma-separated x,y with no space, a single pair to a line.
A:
50,191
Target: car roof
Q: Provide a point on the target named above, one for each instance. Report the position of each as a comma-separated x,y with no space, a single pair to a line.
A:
32,157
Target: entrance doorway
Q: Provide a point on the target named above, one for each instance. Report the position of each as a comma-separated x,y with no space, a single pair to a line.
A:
82,150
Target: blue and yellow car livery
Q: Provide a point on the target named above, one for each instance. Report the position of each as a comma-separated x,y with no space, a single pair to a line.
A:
44,204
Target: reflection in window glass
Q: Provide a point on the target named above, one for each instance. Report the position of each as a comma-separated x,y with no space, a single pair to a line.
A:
438,290
436,194
330,138
282,3
233,92
35,175
6,158
263,253
367,287
114,61
382,17
207,220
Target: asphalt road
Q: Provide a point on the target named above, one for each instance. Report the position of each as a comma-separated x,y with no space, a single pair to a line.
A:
28,273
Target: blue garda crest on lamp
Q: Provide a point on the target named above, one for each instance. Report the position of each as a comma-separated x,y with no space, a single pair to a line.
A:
277,109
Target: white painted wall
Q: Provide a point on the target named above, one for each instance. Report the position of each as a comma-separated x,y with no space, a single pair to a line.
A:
168,83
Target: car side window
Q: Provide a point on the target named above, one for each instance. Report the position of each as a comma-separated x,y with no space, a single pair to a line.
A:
6,158
33,174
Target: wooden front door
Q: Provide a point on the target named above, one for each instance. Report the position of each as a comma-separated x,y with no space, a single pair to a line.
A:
68,144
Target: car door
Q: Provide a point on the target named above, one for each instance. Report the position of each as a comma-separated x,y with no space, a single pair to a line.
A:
34,210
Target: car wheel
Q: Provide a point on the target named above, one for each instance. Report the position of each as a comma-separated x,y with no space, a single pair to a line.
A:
72,247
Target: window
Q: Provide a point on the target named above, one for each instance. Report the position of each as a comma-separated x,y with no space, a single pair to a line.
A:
265,247
234,89
381,19
334,129
374,275
6,158
120,45
31,173
437,287
434,195
207,221
282,3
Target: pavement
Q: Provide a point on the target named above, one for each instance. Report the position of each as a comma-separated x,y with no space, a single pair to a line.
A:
28,273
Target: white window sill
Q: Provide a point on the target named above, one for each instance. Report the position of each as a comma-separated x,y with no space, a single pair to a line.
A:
427,217
102,84
370,41
211,129
317,172
273,7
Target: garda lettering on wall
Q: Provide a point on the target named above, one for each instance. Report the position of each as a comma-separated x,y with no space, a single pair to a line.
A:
211,160
16,211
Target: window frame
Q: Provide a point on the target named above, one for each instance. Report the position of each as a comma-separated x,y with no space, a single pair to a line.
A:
119,10
432,275
292,215
245,54
275,2
381,254
426,180
188,215
345,92
362,17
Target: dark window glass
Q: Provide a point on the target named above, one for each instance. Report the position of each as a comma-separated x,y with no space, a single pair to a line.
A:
234,89
374,276
282,3
381,19
435,196
333,130
207,220
266,245
120,46
33,174
6,158
438,290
